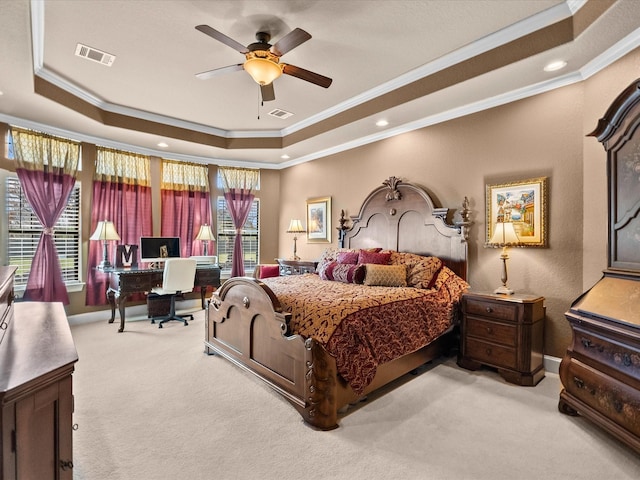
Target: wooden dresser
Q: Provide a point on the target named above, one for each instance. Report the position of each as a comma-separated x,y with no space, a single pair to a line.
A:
37,357
504,332
600,371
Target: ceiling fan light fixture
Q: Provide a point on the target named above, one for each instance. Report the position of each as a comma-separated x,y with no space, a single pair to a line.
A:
262,70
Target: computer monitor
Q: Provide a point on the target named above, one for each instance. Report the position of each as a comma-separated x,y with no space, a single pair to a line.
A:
158,249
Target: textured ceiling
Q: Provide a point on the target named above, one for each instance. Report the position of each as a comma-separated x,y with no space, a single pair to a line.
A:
413,63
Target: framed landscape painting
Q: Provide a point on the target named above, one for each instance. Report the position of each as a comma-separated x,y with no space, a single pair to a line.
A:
319,220
521,204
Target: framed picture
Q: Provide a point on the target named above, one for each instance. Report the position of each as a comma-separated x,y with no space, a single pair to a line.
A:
521,208
319,220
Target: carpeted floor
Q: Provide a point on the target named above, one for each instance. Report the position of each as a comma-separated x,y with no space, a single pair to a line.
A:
151,405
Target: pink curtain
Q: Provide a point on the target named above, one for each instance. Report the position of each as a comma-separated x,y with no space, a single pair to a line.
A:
121,194
183,212
48,193
239,203
129,207
46,168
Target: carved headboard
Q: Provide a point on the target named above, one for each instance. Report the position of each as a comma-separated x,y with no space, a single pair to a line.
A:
402,216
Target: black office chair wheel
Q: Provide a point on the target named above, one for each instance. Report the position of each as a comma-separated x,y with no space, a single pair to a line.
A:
159,325
185,323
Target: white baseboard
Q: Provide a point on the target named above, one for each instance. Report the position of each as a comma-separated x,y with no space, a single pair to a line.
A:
551,364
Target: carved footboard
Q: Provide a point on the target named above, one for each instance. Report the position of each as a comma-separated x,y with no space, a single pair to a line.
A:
246,324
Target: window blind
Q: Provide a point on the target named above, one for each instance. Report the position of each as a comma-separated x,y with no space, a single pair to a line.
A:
227,235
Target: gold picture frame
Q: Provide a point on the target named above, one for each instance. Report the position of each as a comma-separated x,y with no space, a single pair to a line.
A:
319,220
524,205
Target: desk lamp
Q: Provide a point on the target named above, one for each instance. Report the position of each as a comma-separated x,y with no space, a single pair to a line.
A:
205,235
105,231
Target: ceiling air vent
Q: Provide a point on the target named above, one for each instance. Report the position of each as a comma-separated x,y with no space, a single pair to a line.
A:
280,113
94,55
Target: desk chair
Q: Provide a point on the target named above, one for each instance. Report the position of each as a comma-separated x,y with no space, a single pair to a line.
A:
178,278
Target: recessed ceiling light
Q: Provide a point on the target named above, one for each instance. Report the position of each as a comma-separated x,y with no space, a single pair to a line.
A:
163,145
382,123
553,66
285,157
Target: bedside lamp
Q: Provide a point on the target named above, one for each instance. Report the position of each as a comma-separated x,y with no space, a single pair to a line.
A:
205,235
105,231
295,227
504,236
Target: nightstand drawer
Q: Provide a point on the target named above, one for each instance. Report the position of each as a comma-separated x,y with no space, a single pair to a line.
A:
490,353
497,310
491,331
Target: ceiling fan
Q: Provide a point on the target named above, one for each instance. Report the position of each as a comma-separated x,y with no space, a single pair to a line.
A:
263,60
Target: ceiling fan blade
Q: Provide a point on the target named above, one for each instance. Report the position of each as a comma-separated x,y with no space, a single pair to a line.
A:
303,74
218,71
268,94
221,37
290,41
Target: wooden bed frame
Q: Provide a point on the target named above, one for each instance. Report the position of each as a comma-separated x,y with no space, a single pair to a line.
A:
246,324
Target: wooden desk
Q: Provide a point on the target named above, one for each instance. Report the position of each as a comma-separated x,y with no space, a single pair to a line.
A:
124,282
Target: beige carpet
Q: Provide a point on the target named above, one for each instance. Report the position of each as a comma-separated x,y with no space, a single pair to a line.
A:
151,405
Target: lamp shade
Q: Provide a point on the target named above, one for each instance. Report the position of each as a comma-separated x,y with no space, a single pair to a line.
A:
504,235
105,230
205,233
262,70
295,226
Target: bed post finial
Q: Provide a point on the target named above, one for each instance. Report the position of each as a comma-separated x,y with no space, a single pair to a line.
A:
392,184
463,226
342,228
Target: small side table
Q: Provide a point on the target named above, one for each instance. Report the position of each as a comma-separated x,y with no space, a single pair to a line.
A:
296,267
505,332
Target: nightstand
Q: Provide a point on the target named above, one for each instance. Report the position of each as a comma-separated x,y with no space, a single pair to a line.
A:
504,332
296,267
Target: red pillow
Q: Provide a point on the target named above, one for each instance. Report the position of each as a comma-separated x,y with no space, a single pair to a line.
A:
348,257
380,258
267,271
345,273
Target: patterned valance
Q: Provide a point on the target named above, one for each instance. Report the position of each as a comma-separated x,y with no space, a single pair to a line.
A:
239,178
117,166
40,151
180,176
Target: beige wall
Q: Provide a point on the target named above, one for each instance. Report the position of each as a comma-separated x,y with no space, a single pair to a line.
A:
538,136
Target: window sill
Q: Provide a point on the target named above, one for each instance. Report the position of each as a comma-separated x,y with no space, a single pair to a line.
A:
71,288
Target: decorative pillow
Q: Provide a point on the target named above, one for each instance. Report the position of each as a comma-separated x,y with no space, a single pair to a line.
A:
268,271
421,271
380,258
386,275
341,272
348,257
330,254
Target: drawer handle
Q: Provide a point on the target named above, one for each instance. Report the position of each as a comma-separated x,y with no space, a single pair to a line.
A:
488,351
589,344
3,326
489,330
580,384
626,360
489,309
66,464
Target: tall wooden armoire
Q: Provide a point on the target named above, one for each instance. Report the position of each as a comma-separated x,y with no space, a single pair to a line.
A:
600,371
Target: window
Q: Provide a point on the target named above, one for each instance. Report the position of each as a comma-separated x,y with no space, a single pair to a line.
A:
227,235
24,230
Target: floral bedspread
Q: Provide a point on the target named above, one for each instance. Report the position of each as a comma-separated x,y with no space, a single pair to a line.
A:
366,326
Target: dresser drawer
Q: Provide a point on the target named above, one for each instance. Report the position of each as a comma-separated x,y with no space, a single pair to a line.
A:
492,331
615,400
624,358
491,353
497,310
